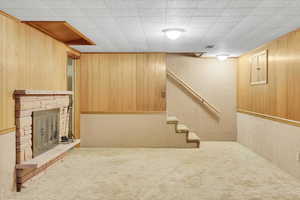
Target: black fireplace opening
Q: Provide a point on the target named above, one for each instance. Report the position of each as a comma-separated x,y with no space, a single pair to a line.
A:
45,130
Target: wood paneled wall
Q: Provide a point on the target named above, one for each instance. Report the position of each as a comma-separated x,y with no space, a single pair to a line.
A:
122,83
29,59
281,96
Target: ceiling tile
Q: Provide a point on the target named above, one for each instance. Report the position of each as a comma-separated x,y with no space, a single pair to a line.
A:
128,21
151,12
177,21
265,11
276,3
120,3
21,4
184,12
244,3
103,20
236,11
153,20
231,19
121,12
295,11
203,20
57,3
29,12
153,28
182,3
234,26
68,12
89,3
213,3
96,12
151,4
207,12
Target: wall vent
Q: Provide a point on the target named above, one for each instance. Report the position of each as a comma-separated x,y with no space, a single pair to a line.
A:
209,46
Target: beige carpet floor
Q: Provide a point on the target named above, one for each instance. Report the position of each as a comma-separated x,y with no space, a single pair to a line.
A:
217,171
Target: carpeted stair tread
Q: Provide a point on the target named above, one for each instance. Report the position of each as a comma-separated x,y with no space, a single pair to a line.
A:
172,120
193,137
181,128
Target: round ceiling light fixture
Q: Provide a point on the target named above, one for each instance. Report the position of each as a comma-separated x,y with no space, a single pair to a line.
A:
173,33
222,57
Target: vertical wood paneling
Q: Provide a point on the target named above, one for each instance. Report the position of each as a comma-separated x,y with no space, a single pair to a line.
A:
281,96
122,82
2,86
29,60
151,82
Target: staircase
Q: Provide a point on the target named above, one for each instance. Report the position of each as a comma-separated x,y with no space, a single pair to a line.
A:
191,137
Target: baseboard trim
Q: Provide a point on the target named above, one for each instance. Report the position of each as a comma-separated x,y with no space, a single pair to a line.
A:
8,130
271,117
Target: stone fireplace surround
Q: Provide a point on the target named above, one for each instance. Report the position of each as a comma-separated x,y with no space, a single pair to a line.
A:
26,102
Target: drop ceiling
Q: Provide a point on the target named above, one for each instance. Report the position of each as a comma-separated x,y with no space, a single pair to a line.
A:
232,26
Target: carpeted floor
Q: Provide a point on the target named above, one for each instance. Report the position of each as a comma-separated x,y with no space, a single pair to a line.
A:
217,171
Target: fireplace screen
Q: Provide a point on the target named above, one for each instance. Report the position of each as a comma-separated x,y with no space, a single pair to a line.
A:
45,130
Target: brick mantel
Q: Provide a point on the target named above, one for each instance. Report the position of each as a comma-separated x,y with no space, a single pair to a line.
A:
28,101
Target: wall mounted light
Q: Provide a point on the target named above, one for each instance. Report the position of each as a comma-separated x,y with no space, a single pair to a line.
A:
222,57
173,33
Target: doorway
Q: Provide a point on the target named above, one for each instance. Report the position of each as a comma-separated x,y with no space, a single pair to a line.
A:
71,80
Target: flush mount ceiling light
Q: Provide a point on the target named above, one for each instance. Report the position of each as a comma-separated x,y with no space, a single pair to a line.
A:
173,33
222,57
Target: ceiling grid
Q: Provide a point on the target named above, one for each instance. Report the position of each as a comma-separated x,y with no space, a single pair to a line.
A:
233,26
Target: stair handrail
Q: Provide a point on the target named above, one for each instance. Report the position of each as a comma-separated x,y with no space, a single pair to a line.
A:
191,90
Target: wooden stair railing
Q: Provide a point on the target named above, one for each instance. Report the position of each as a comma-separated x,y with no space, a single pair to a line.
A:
191,91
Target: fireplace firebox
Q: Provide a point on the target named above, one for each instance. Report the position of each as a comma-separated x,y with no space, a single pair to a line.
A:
45,130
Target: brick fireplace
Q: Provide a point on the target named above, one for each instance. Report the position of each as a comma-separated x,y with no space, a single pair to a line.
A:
29,104
29,101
